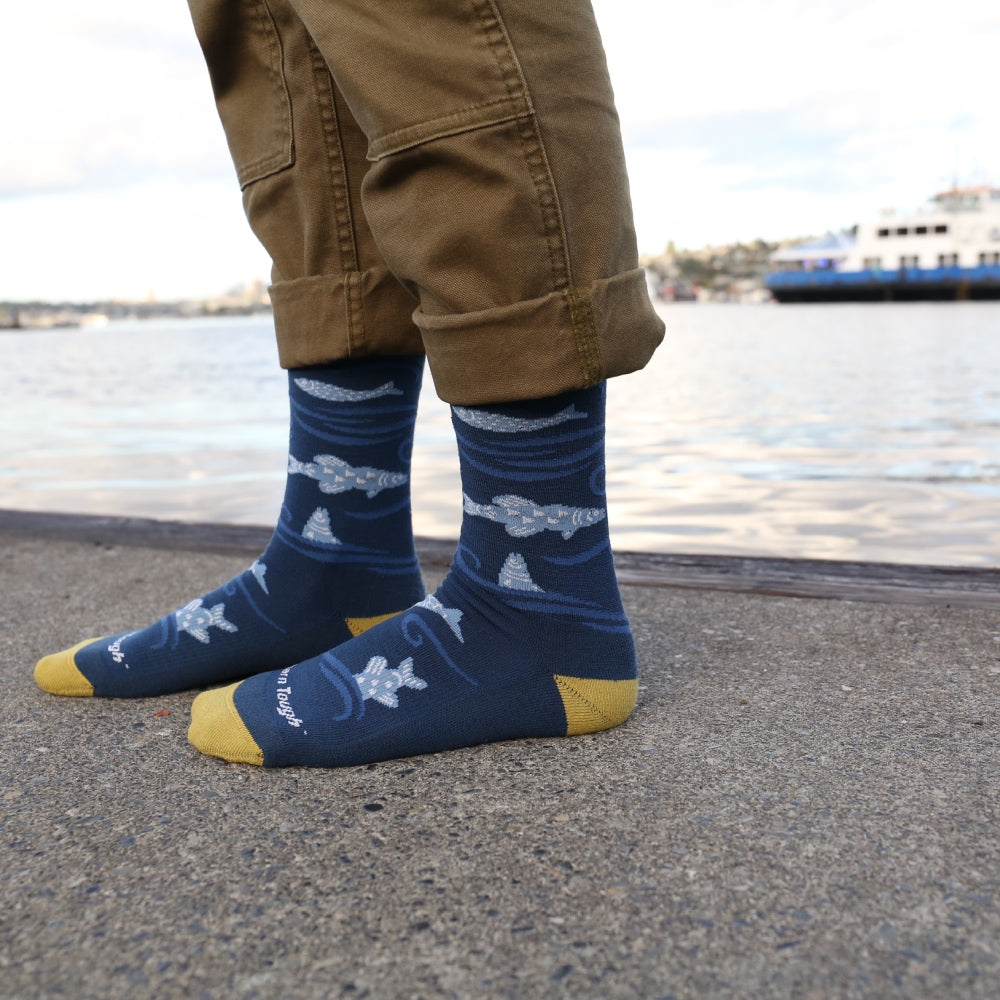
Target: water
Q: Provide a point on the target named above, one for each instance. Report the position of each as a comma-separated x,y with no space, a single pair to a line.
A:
844,432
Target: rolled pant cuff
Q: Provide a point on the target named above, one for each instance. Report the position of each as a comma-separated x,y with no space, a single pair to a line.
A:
329,317
542,347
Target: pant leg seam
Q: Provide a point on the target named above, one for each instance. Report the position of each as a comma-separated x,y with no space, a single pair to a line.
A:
588,343
354,309
275,161
548,202
532,144
323,89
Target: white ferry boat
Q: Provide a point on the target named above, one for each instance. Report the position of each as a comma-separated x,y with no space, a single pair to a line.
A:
948,249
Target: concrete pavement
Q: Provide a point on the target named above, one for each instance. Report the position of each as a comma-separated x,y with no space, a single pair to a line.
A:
806,803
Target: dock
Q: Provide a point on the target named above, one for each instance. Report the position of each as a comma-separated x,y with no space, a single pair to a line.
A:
805,803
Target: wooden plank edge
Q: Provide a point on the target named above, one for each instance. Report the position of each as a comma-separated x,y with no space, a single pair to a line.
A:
890,583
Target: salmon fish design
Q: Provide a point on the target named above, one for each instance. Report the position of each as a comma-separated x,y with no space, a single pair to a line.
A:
334,475
523,517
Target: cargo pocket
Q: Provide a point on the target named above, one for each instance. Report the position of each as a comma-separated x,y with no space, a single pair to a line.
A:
243,51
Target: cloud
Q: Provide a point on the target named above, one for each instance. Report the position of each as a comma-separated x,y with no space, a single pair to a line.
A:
107,96
161,236
783,117
741,118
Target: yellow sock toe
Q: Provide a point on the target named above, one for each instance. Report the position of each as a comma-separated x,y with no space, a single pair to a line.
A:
59,674
217,729
593,705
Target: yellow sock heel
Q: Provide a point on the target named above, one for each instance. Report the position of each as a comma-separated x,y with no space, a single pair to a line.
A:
217,729
359,625
59,674
593,705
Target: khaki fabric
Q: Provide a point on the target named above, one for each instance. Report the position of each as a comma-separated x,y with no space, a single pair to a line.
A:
436,175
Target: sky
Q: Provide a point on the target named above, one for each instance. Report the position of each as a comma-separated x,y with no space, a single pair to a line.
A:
742,119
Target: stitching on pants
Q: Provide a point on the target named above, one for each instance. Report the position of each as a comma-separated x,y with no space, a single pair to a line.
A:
323,88
354,313
531,143
581,317
269,163
458,121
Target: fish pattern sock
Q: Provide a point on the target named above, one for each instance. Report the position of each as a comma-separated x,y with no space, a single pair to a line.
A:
341,556
525,637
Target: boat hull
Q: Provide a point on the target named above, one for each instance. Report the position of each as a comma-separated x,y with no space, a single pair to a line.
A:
903,285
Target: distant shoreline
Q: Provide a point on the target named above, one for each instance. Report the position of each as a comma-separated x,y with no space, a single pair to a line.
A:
68,315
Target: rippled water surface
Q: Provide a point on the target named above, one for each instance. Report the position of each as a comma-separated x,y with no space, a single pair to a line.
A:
845,432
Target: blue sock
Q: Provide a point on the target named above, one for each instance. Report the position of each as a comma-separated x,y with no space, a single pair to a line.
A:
340,559
525,637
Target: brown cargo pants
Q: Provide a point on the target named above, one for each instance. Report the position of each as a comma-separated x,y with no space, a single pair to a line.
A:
439,176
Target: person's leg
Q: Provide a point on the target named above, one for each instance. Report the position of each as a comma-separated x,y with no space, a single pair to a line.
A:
498,194
342,555
301,160
497,189
525,637
340,559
